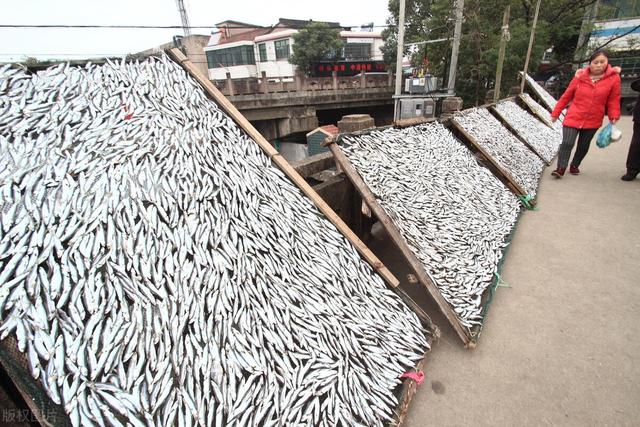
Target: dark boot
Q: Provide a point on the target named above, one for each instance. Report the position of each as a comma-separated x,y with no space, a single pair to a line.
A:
559,172
629,176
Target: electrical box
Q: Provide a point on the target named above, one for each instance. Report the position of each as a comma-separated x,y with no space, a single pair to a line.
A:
417,107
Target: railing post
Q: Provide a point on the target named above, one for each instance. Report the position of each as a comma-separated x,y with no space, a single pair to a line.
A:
263,84
229,84
298,79
247,84
363,80
389,78
334,75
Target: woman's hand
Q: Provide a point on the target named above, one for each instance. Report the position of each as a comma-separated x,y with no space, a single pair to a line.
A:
614,121
554,119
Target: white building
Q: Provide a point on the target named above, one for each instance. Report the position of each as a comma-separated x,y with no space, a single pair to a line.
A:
245,50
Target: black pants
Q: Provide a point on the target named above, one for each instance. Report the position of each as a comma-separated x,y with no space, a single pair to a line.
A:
633,158
569,135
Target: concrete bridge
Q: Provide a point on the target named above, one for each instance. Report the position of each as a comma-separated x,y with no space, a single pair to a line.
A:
284,106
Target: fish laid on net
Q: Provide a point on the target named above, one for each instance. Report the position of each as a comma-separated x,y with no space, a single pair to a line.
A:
524,166
453,213
157,269
541,137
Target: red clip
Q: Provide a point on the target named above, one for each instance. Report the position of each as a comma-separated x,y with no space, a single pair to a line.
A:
128,116
418,377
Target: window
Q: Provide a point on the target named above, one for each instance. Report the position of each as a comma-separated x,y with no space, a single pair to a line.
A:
282,49
262,49
240,55
357,51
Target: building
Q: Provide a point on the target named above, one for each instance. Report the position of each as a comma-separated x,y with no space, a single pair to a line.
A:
246,51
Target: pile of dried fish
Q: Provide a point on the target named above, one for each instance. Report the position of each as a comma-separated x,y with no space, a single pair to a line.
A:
544,140
453,213
543,112
157,269
523,165
541,93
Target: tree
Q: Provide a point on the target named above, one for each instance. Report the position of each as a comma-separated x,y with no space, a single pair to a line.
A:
558,26
315,42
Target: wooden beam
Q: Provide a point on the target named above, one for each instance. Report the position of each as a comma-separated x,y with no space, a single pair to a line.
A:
524,102
517,133
399,241
284,166
412,122
314,164
501,172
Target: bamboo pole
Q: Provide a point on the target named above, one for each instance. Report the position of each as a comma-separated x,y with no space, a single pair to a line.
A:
399,55
531,39
503,46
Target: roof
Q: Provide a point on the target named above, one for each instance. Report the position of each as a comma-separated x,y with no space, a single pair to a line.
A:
299,23
242,24
247,35
329,130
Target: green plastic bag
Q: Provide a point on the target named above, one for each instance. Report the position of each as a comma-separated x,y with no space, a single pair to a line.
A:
604,137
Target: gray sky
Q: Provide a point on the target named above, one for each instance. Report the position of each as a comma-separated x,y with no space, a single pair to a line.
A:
15,44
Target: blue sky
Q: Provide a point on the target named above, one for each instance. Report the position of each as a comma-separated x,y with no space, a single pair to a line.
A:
15,44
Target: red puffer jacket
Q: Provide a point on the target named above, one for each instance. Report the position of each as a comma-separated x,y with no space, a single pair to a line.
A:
588,100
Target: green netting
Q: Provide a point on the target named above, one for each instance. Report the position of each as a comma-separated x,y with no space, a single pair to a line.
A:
489,293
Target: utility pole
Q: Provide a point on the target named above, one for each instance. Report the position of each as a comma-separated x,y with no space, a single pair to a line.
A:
590,14
503,45
451,86
531,38
399,55
184,18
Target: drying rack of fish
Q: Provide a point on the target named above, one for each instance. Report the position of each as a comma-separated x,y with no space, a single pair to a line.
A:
508,151
542,94
544,140
157,269
542,112
454,215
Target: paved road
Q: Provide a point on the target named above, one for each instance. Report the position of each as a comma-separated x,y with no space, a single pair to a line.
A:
562,345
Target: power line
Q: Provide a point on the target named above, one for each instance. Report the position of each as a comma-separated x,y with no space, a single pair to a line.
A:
163,27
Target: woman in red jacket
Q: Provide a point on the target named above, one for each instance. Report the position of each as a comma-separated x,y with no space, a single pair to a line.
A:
593,89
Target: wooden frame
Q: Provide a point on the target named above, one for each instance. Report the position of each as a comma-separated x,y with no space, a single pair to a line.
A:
387,223
516,133
291,173
497,169
407,391
523,101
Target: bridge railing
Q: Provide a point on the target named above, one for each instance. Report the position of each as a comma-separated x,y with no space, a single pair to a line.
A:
231,87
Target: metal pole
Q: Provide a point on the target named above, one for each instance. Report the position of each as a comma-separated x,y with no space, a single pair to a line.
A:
399,55
531,38
503,46
451,86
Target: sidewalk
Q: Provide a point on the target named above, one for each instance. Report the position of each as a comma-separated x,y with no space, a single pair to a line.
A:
562,346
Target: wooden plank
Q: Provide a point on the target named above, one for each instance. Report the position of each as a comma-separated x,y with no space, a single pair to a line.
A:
534,111
285,167
517,134
399,241
412,122
498,169
314,164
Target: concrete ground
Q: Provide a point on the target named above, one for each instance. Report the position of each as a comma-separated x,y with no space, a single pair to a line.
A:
562,345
